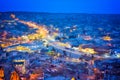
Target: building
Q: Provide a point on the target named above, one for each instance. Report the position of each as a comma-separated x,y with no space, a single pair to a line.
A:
20,65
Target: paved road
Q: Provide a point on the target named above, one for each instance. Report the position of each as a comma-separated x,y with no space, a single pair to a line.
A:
64,49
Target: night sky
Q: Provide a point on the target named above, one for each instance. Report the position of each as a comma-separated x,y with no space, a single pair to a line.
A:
62,6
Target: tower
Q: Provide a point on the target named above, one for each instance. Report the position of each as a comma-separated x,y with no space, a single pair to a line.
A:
20,65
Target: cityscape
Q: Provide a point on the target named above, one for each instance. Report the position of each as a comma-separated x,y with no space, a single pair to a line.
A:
57,46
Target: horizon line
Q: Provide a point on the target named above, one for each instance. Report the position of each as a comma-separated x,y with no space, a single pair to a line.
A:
56,12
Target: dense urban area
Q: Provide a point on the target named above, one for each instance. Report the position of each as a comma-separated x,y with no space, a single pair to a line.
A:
53,46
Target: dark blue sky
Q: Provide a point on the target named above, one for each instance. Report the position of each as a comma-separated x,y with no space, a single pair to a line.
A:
62,6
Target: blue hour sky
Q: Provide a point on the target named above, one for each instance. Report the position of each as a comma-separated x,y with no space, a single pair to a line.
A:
62,6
